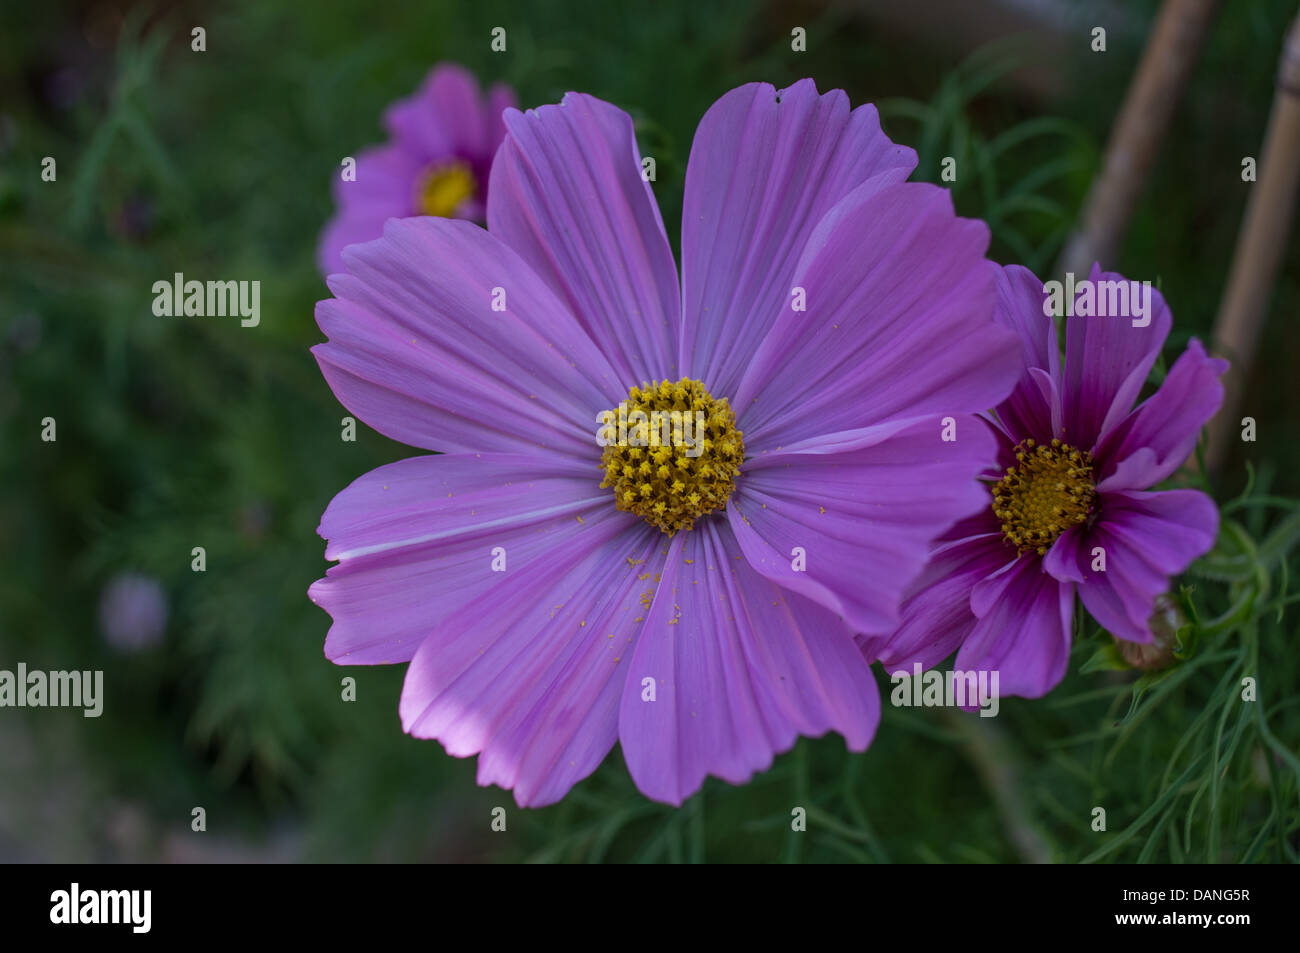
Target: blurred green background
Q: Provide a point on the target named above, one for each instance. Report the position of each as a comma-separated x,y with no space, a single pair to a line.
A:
176,433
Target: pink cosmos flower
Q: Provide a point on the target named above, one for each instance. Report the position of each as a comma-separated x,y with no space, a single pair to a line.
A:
554,596
1070,512
437,162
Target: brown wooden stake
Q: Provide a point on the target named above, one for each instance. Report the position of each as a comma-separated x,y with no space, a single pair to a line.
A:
1260,243
1161,78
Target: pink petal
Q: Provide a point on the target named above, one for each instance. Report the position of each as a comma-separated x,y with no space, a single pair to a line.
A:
1024,636
1167,424
1030,409
528,676
1147,538
864,519
936,616
1062,561
741,668
416,539
567,195
416,350
765,167
443,118
899,324
1107,360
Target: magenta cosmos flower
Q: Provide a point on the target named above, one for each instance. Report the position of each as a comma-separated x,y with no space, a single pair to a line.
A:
695,604
1069,512
437,162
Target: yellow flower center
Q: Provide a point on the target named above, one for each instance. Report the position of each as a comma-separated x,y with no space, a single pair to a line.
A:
444,188
1047,492
672,453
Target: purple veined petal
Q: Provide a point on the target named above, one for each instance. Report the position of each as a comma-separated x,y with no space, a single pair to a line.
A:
1021,307
898,324
1107,360
567,195
1015,429
1115,600
1025,635
1033,407
444,117
981,524
993,587
1006,454
852,530
936,617
1147,538
1003,460
764,168
416,539
1137,471
1167,424
740,669
1063,561
418,352
844,440
529,675
1049,387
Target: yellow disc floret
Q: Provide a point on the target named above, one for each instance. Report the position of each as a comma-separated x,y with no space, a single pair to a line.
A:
444,187
672,453
1049,490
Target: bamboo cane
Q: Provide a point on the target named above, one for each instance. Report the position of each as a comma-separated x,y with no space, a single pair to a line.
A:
1260,243
1161,77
